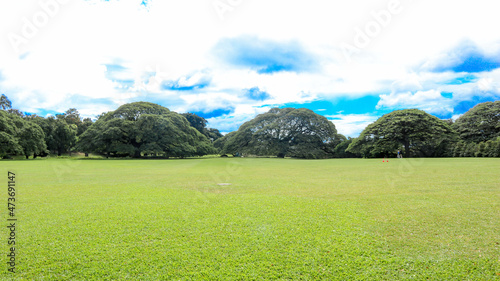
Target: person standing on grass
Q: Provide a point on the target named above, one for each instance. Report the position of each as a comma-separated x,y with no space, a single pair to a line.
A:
399,154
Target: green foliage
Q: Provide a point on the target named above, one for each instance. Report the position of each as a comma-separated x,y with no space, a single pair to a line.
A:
5,103
199,123
213,134
299,133
490,148
16,112
9,129
470,150
458,149
72,117
419,133
220,143
60,137
480,123
84,125
340,150
144,128
480,150
133,111
31,139
19,136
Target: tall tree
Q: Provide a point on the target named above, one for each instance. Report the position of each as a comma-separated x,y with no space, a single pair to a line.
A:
60,136
5,102
64,136
480,123
284,132
18,135
32,139
16,112
47,125
412,129
72,117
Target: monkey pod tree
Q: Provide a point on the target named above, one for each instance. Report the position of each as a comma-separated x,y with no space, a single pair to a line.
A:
416,131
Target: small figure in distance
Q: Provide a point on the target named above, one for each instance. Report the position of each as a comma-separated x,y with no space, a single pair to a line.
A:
399,154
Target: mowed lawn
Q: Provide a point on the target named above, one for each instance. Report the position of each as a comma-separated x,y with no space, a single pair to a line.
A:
255,219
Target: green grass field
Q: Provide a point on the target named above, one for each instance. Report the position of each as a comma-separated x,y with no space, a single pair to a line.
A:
348,219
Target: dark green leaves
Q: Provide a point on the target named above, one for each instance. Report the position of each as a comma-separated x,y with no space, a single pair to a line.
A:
413,130
20,136
5,102
283,132
481,123
144,128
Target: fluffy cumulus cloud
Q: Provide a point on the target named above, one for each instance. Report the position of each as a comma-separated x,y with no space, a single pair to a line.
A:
196,81
432,101
230,64
465,57
450,83
265,56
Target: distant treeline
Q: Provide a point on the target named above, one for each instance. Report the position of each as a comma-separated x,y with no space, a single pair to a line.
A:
144,129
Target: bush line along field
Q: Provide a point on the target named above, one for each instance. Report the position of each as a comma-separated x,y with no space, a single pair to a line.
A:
344,219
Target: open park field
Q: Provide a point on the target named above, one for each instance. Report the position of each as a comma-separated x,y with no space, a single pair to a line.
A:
254,219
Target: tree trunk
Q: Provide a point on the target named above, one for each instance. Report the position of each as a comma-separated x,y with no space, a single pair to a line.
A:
35,155
137,154
86,154
59,152
27,156
407,149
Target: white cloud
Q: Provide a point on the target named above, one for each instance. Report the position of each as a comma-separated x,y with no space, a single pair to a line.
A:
351,125
430,101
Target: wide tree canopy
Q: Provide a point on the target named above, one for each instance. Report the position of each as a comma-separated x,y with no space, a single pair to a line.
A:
144,128
418,132
480,123
283,132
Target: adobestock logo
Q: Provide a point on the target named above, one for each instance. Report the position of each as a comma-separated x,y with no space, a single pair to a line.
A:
373,28
31,26
153,79
221,7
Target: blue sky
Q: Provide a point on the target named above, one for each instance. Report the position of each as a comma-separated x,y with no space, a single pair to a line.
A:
350,61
